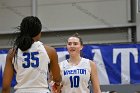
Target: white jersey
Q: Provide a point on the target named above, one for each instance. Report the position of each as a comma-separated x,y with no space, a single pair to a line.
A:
75,79
31,68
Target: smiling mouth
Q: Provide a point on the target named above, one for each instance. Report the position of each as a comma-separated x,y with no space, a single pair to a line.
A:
72,50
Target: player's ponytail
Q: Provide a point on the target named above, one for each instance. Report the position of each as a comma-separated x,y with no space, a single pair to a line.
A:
24,42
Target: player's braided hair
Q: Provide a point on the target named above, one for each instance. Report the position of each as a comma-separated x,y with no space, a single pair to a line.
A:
29,28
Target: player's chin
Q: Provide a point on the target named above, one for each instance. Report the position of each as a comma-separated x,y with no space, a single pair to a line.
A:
72,53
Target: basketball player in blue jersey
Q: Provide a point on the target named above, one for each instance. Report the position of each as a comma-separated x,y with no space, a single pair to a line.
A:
29,59
78,71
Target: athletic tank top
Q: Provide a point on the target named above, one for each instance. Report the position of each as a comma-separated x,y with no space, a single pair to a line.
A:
31,68
75,79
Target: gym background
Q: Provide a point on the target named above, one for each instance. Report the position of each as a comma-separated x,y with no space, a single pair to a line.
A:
99,22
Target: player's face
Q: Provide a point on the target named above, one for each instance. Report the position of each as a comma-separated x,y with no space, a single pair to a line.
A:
74,46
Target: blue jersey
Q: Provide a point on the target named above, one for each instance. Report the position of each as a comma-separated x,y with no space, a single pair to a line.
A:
75,79
31,68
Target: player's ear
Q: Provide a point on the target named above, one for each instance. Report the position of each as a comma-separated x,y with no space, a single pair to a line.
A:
81,48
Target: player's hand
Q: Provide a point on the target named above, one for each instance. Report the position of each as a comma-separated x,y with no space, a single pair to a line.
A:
56,88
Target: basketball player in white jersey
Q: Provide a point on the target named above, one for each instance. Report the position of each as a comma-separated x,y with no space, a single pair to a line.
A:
29,59
77,71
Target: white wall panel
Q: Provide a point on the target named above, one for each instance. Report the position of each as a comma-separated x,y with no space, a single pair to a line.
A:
12,12
81,14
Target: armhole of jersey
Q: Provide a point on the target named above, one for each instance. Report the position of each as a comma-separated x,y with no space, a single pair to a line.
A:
49,67
14,59
47,54
90,68
61,64
14,63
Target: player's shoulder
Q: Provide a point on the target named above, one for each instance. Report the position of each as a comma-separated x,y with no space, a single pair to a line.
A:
92,64
51,52
63,63
85,59
49,48
11,52
89,62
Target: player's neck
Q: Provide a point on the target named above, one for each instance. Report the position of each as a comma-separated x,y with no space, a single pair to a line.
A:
74,60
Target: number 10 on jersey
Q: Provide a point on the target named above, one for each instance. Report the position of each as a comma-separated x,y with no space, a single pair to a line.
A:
74,80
